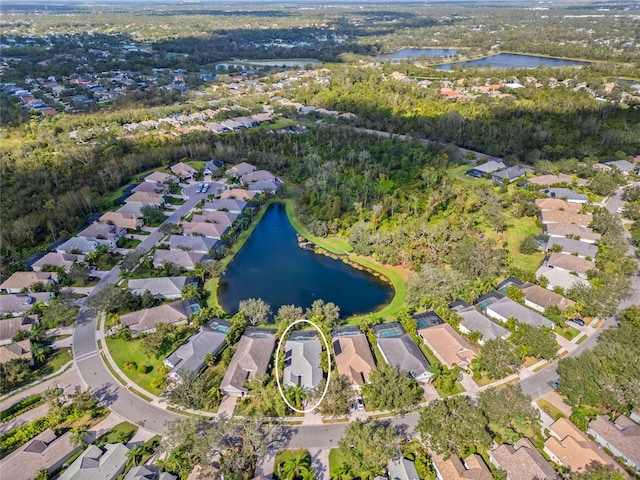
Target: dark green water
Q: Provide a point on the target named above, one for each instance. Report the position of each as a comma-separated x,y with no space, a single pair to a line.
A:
273,267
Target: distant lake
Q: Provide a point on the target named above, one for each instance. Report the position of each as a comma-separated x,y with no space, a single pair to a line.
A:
293,62
418,52
508,60
272,266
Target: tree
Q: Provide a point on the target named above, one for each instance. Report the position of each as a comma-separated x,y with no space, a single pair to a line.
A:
509,412
288,313
323,312
604,183
390,388
535,342
214,269
190,292
43,474
131,260
80,272
169,228
454,426
528,245
79,436
597,471
13,373
152,215
478,258
255,309
444,379
295,467
107,299
369,445
339,394
194,391
498,358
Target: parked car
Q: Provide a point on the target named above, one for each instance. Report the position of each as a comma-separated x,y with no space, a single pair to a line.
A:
359,403
555,384
619,211
578,321
205,188
199,188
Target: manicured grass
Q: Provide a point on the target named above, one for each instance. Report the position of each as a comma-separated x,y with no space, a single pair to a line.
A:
159,221
175,200
120,433
131,351
517,230
567,332
54,362
107,261
551,410
126,242
92,282
581,339
278,124
137,232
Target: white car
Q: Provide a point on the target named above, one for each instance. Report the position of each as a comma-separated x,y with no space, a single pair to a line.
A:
359,403
619,211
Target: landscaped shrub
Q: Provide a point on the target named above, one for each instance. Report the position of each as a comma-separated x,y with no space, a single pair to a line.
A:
130,366
144,369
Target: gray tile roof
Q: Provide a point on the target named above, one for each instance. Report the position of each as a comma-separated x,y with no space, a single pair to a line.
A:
194,244
10,326
191,354
490,166
261,186
147,319
402,352
511,174
252,358
557,277
163,286
402,469
80,244
474,321
229,204
94,464
507,308
146,472
302,361
567,194
18,303
570,246
183,259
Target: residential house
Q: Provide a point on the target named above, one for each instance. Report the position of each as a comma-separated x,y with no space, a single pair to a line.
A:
146,472
190,356
151,187
165,287
77,245
61,260
20,281
227,204
570,246
474,321
21,303
559,216
16,350
239,194
213,166
522,461
623,166
145,321
204,229
265,186
577,232
183,171
510,174
251,359
160,177
45,451
10,326
558,278
353,355
399,350
402,469
104,234
505,308
122,220
621,437
485,169
94,463
570,263
570,447
184,259
193,244
557,204
541,299
231,124
566,194
217,216
240,169
547,180
302,366
473,468
257,176
146,199
448,345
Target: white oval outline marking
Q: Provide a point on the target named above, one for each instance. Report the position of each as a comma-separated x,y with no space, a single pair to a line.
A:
326,387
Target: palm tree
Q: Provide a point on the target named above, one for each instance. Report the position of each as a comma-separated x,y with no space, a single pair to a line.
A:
134,455
78,436
125,333
39,354
295,466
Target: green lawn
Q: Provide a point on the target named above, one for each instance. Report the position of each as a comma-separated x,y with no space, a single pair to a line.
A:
159,221
54,362
120,433
551,410
174,200
123,351
517,230
107,261
126,242
567,332
92,282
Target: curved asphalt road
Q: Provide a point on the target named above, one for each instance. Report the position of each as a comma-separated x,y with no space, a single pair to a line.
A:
92,369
